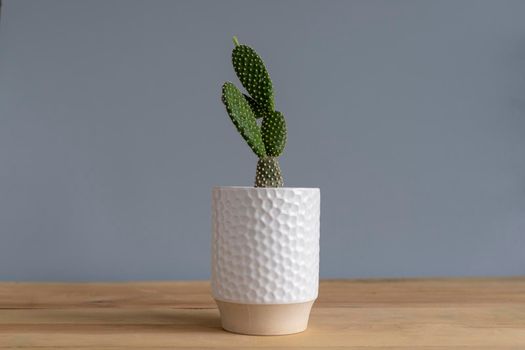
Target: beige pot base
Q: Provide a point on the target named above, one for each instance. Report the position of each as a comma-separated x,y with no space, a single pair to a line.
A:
262,319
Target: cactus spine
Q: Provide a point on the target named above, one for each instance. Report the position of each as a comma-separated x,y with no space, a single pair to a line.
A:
268,139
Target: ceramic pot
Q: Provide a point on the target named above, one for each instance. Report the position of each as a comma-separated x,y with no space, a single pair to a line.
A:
265,258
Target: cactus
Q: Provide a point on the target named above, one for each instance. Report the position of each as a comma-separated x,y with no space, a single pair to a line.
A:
268,173
253,75
243,118
273,128
267,141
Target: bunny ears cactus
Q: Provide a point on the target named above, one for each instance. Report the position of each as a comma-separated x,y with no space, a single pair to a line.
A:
267,139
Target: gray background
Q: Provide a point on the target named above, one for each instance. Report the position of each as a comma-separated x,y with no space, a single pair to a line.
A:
409,115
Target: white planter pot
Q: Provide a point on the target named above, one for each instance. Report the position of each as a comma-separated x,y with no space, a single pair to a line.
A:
265,257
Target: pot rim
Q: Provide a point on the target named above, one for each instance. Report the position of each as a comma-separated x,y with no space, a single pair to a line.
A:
263,189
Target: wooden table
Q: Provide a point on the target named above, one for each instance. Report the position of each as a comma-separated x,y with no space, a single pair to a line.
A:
362,314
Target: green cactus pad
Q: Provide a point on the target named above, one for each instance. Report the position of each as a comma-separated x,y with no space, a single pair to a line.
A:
243,118
257,110
253,75
268,173
273,129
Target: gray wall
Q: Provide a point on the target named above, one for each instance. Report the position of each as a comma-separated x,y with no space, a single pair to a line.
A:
409,115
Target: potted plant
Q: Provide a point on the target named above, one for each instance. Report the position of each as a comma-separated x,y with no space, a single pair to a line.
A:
265,239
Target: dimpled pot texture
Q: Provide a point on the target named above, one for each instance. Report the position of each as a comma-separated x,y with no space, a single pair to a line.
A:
265,257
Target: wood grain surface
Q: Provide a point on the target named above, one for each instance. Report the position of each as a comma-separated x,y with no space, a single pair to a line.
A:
426,314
